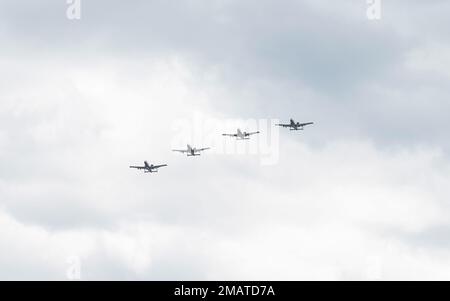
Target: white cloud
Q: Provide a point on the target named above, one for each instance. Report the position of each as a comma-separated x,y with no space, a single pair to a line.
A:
361,194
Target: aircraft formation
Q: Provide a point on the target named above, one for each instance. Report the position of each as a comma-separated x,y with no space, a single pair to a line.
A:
239,135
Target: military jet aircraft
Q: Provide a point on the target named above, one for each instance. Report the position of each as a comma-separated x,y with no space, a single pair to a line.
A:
241,135
191,151
295,126
148,168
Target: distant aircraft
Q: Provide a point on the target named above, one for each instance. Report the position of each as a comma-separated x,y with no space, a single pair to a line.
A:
241,135
191,151
148,168
295,126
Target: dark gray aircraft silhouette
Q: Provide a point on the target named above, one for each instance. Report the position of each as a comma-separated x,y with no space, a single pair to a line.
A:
241,135
191,151
148,168
295,126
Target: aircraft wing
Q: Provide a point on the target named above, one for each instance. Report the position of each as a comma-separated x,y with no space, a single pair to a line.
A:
202,149
138,167
180,150
230,135
253,133
307,123
158,166
284,125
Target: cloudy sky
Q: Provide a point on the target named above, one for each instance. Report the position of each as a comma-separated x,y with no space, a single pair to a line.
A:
361,195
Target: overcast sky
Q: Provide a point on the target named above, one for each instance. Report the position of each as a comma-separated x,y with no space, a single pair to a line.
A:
361,195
